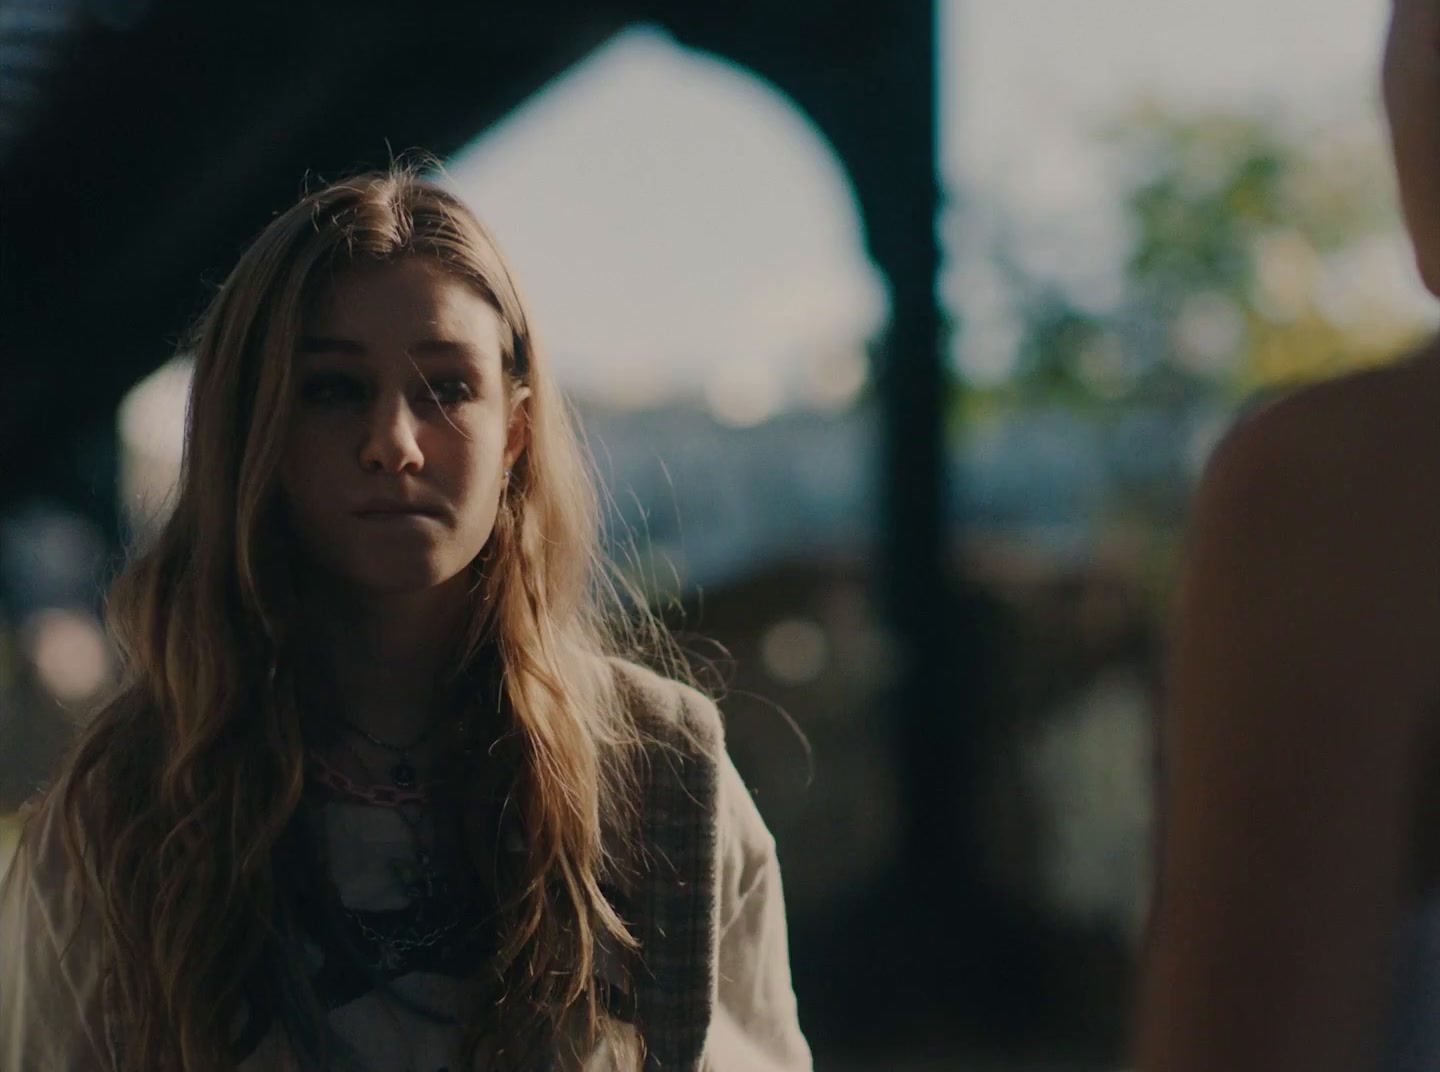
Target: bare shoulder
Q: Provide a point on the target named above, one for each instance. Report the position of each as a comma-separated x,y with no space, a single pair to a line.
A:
1365,435
1326,504
1302,670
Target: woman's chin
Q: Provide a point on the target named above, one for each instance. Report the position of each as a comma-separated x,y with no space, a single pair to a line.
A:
390,579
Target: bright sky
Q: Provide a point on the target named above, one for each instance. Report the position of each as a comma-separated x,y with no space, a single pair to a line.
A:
1030,84
677,225
1027,81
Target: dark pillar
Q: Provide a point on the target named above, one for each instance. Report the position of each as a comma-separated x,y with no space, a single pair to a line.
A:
868,78
915,394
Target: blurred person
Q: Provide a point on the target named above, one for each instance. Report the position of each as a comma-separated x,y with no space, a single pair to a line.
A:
1296,923
384,786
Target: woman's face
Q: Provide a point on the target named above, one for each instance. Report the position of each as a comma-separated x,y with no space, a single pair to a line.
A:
403,428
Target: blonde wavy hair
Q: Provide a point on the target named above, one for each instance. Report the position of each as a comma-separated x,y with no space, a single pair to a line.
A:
180,794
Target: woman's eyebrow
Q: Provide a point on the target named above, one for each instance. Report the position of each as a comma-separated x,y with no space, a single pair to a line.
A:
446,348
325,344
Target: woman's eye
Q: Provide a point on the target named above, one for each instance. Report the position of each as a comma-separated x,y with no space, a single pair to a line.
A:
448,392
319,390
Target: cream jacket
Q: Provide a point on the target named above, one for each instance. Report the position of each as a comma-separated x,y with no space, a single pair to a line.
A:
714,991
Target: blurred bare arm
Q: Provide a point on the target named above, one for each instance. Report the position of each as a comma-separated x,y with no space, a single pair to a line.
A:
1292,740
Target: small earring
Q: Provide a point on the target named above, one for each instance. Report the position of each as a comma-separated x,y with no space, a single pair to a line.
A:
509,473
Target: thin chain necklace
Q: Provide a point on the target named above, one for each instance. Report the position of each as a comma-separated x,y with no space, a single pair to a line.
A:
403,772
370,792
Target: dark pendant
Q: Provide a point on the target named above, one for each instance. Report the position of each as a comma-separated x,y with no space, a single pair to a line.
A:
403,775
390,957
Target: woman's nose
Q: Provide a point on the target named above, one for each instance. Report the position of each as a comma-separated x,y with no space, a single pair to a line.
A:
390,444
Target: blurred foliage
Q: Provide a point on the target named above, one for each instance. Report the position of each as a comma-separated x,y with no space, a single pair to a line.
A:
1244,238
1257,259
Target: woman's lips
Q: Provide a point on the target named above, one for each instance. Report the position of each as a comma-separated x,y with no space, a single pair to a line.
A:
395,515
388,510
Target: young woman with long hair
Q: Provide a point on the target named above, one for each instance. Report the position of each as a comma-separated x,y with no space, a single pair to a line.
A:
1296,922
384,785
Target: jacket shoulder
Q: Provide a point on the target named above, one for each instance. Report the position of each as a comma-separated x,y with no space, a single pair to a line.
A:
672,711
51,977
40,847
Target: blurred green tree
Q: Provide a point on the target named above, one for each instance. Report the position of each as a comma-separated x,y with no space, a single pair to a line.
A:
1249,253
1259,256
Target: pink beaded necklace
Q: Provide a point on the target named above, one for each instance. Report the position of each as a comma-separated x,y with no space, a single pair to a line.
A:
384,796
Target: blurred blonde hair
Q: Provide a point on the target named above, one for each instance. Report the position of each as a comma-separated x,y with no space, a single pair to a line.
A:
178,796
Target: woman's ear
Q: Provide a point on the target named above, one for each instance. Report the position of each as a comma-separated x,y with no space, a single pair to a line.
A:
517,436
1411,85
